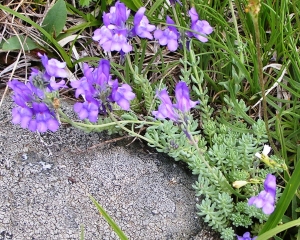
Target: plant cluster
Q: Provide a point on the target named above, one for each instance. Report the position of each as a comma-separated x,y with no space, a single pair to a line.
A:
227,149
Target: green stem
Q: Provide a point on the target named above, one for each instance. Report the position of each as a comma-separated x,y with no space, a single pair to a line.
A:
184,43
129,64
195,70
132,133
175,16
261,79
65,118
296,12
240,44
135,74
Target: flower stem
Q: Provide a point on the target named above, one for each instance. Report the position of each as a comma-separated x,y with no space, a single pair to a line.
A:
132,133
65,118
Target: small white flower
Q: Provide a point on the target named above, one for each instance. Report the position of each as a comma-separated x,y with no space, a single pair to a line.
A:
265,151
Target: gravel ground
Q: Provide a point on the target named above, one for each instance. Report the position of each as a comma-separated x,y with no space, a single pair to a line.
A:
46,180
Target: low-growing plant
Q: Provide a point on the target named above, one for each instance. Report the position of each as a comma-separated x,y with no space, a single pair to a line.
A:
225,147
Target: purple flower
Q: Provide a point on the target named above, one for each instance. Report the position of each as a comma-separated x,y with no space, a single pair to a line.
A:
266,198
184,104
142,28
173,2
200,26
165,109
22,115
22,93
102,75
94,80
44,81
112,39
30,112
169,36
119,41
246,236
171,111
117,16
56,85
54,68
113,35
98,91
103,36
38,82
122,95
44,119
89,109
36,117
82,86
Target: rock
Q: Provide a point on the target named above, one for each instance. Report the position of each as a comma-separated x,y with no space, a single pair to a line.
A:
46,180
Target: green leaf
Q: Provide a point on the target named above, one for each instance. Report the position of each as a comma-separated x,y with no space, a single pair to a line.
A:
155,6
278,229
81,232
16,43
109,220
84,3
277,238
56,18
133,4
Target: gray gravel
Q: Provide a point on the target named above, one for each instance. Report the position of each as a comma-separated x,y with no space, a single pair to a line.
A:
46,180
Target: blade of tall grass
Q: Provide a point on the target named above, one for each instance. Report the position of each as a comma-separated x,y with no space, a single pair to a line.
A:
109,220
269,234
154,7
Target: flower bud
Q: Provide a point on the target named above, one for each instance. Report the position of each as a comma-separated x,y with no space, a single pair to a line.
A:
239,184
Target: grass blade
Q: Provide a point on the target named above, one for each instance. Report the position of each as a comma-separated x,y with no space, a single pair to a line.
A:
109,220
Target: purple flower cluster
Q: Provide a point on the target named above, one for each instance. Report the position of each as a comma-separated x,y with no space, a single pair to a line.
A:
246,236
266,198
113,36
172,111
41,82
98,90
31,112
170,36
